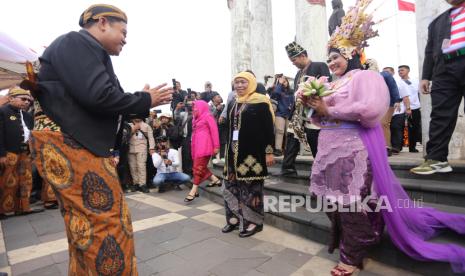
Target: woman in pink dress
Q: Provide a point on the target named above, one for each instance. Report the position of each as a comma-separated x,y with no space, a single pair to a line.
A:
205,144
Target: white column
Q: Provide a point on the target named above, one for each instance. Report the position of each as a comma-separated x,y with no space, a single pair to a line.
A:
241,58
262,39
426,11
312,27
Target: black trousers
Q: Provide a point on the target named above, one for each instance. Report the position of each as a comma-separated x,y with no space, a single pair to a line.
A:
414,129
397,131
186,156
447,92
293,148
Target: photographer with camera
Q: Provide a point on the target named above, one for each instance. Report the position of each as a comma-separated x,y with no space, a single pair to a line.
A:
183,127
179,95
166,161
208,95
216,107
283,94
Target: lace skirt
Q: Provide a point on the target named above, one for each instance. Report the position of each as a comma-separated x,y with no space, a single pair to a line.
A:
341,170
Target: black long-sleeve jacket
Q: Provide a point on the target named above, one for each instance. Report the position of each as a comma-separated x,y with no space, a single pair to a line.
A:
11,129
80,92
438,30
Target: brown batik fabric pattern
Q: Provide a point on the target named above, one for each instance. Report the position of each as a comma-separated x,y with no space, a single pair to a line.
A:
97,219
16,183
243,200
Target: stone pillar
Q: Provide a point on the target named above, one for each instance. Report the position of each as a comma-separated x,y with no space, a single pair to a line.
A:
426,11
241,17
262,39
312,27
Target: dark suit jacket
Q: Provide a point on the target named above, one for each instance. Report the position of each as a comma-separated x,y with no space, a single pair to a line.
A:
316,69
438,30
11,129
80,92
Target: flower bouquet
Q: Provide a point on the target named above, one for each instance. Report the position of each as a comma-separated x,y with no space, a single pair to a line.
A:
313,87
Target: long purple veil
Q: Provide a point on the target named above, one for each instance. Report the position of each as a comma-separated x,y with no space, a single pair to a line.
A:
410,228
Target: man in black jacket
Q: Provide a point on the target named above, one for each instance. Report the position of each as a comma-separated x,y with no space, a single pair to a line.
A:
299,58
179,96
444,64
208,95
83,106
15,159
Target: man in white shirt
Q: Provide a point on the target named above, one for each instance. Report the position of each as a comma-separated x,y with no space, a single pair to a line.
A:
414,120
401,110
166,161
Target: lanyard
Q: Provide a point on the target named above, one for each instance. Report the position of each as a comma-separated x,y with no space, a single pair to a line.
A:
236,115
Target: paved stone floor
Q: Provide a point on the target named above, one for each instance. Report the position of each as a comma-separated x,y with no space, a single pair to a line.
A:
173,238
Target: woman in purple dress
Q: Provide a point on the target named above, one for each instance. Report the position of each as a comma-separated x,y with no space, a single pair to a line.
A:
342,170
351,166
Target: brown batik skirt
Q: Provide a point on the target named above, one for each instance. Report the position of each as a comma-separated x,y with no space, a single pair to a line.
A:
97,219
16,183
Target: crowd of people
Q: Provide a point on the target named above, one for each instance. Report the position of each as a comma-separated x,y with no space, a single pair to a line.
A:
84,163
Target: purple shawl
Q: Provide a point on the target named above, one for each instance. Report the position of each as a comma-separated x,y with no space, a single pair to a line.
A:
410,228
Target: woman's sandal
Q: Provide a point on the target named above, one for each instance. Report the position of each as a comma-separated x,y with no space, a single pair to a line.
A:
189,197
214,183
340,271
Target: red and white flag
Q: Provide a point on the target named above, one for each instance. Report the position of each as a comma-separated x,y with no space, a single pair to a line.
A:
406,5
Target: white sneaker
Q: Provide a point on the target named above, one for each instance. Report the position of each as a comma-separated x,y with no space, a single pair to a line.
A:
432,166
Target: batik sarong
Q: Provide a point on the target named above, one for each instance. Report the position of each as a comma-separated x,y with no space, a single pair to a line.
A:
48,195
16,183
243,202
97,219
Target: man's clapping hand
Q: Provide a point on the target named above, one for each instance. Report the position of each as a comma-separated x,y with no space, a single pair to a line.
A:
160,94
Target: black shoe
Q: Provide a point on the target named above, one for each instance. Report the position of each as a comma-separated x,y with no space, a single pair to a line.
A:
132,188
389,152
144,189
245,234
277,152
413,150
395,151
229,228
3,217
161,189
51,206
177,188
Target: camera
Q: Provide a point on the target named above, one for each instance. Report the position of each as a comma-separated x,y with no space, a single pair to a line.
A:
189,99
174,83
162,150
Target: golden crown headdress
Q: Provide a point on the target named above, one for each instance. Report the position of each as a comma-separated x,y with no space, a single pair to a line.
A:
356,28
